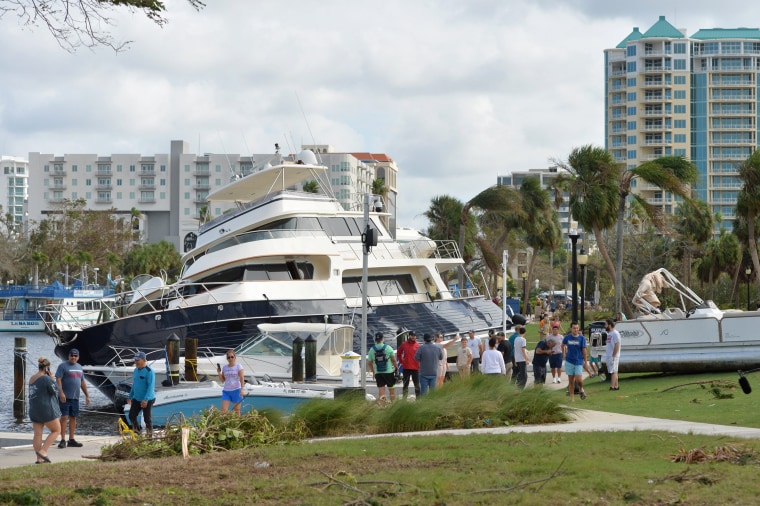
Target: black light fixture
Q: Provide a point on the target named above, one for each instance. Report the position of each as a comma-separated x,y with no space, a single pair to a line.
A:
574,235
582,261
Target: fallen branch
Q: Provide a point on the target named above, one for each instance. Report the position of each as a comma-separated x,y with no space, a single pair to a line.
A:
723,383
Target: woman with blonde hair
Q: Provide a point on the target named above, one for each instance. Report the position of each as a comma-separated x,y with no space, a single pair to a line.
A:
44,410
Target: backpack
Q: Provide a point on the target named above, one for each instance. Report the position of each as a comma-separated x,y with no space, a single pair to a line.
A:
381,359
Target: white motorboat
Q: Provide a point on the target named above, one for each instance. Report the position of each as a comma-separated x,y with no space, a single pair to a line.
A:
693,336
283,255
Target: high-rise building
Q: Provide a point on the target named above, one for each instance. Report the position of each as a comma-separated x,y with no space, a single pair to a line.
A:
168,191
670,94
15,186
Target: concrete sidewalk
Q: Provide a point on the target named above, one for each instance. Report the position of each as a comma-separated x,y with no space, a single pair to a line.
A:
16,449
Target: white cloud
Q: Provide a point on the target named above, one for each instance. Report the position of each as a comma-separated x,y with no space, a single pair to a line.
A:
456,92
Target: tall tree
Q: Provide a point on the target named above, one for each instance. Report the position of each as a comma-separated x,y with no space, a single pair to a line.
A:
722,254
748,203
76,23
694,227
672,174
592,181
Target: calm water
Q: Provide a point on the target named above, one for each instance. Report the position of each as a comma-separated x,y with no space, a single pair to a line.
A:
97,419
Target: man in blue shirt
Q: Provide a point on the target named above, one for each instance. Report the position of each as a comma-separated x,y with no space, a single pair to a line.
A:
70,378
142,395
576,356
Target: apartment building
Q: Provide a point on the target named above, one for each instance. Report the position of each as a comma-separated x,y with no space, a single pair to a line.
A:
169,190
14,185
667,93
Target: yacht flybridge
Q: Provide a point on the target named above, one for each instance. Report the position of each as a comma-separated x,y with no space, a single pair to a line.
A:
285,255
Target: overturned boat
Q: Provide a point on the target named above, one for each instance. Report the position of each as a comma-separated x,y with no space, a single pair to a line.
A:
692,336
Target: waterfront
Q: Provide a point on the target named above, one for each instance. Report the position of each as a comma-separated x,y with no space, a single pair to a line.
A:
97,419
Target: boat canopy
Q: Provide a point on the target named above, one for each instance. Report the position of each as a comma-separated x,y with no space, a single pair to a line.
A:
260,184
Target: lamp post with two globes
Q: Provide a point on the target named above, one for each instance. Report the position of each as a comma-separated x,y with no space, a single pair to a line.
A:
574,235
582,261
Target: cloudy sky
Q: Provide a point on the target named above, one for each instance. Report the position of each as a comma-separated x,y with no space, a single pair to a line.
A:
456,92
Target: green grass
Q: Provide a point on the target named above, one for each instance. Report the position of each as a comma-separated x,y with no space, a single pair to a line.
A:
719,400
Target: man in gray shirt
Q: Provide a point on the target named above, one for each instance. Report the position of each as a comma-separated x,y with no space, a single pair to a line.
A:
428,355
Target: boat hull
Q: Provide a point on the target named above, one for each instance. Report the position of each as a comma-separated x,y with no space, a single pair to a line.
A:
188,400
689,345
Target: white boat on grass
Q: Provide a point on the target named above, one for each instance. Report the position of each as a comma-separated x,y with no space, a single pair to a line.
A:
692,336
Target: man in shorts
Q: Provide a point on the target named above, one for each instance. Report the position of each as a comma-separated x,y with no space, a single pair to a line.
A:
70,378
576,358
381,362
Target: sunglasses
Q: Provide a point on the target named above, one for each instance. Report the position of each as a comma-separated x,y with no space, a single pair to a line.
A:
230,356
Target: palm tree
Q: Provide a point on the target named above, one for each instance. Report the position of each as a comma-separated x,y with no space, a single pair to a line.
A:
311,186
593,186
672,174
68,259
496,199
748,203
38,258
135,216
722,254
694,227
541,228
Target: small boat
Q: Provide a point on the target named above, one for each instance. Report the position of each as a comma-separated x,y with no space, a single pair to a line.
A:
77,305
692,336
190,398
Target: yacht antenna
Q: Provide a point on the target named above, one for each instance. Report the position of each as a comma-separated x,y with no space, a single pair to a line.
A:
227,156
308,127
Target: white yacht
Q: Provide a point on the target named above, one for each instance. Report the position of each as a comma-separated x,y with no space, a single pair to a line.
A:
285,255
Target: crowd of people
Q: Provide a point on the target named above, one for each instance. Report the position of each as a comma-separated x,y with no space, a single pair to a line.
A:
426,365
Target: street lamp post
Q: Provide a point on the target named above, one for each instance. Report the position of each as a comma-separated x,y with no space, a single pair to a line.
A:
748,272
525,292
574,235
96,269
582,261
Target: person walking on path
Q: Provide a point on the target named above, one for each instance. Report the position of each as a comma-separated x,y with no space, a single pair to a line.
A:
409,365
493,360
541,355
233,376
521,358
612,354
70,378
576,356
477,349
428,355
555,359
443,366
464,358
382,363
44,409
142,395
511,360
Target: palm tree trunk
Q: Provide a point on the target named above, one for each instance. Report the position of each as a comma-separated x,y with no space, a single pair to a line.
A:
619,256
530,278
608,261
753,244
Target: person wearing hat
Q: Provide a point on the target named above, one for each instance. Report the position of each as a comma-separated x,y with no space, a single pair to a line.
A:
428,355
382,363
70,378
142,395
409,365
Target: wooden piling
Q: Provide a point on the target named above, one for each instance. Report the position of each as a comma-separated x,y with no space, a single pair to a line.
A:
297,369
172,355
310,346
191,359
19,379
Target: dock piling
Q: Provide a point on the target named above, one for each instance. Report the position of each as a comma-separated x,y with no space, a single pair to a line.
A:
191,359
19,379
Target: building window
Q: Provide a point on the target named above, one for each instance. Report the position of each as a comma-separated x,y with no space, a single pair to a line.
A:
631,125
118,168
679,48
632,154
162,182
632,96
631,66
679,79
88,168
679,94
163,168
118,182
631,111
88,182
679,64
679,138
631,81
679,109
631,50
131,168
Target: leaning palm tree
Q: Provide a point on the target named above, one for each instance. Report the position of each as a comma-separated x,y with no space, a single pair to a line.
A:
592,181
748,203
673,174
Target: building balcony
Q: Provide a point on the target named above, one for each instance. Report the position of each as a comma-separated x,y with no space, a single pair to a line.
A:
656,128
734,142
732,113
732,84
731,156
147,200
146,187
58,173
147,172
657,113
617,73
58,187
55,200
657,142
654,84
731,98
199,200
103,186
732,127
202,186
103,172
658,98
202,171
103,200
